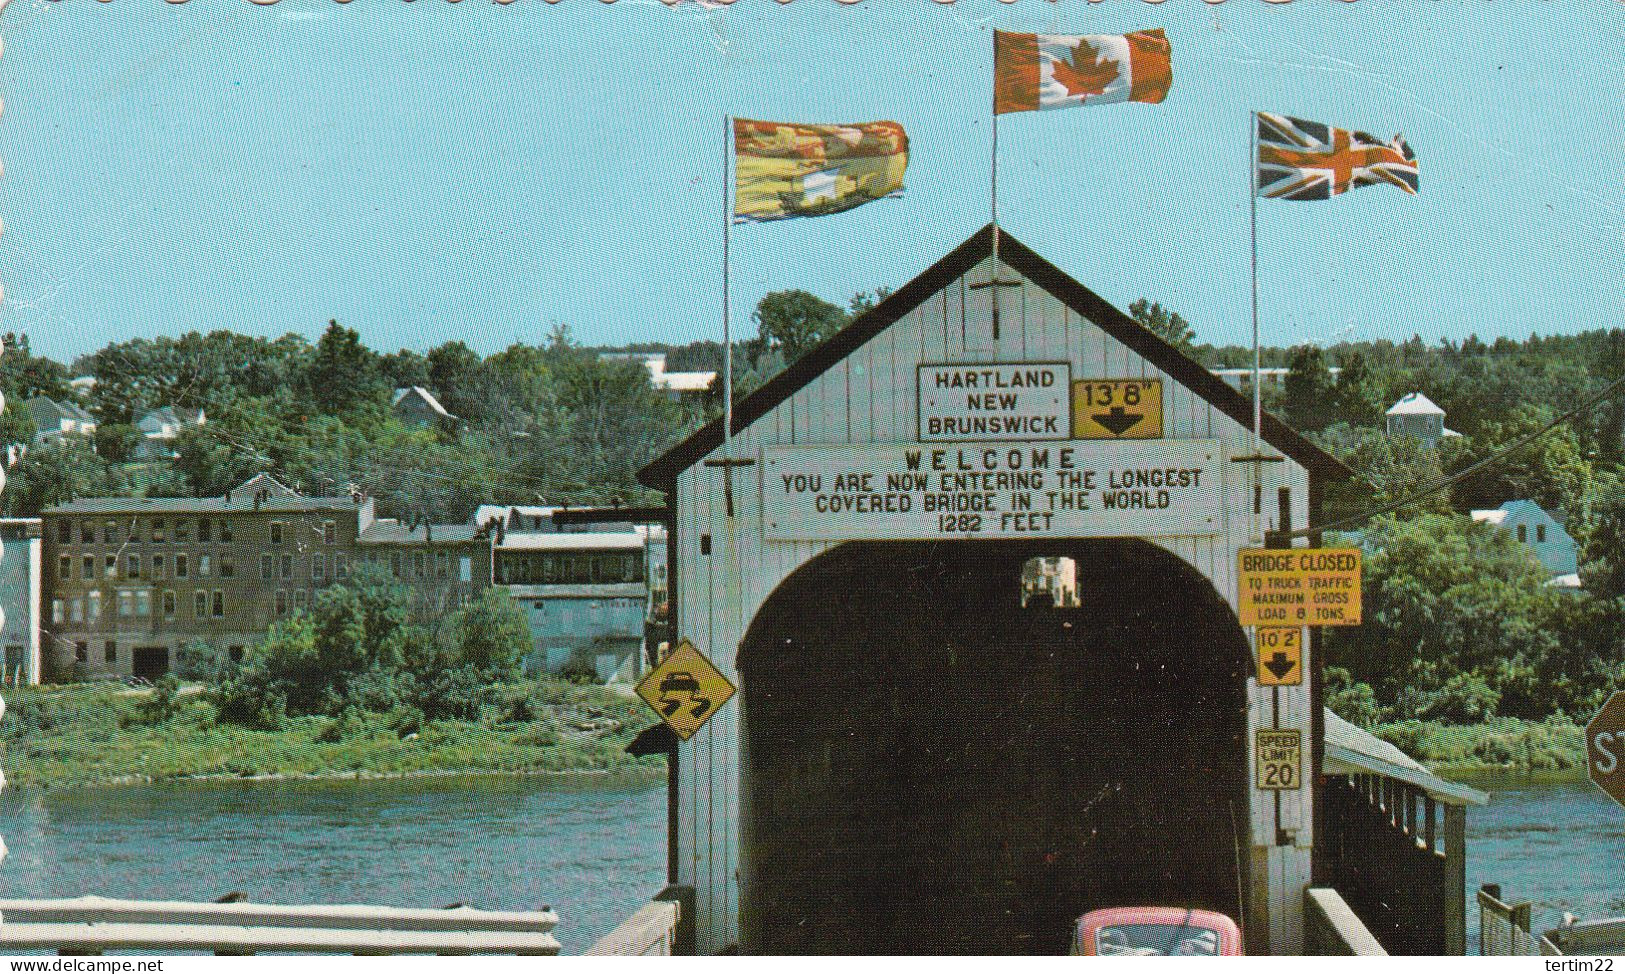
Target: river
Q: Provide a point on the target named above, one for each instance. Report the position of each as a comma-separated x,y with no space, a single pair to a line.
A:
593,849
1560,847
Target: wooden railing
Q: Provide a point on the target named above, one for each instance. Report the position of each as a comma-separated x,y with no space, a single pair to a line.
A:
1399,859
650,932
1503,928
93,925
1330,928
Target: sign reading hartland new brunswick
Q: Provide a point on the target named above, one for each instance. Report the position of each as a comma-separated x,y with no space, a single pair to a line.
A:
1077,488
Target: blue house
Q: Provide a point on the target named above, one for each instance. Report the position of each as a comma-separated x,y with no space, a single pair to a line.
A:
1543,533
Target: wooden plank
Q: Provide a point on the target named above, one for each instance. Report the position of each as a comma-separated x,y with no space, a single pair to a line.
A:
650,932
692,605
97,937
99,909
1455,880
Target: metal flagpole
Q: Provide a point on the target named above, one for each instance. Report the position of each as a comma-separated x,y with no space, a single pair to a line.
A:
1252,207
727,338
993,278
729,164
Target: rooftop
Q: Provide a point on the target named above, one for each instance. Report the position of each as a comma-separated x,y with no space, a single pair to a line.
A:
261,492
1351,750
574,541
1415,404
66,410
240,502
423,394
388,530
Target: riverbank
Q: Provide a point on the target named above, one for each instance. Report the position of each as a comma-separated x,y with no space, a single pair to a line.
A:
1551,751
97,735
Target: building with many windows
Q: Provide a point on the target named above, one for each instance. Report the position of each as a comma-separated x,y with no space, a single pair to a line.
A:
590,592
129,582
20,552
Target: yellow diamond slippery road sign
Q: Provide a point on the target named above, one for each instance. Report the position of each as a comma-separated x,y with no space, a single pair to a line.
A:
1117,409
685,690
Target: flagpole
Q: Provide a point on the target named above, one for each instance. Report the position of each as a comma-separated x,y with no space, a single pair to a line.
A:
994,275
727,338
1252,209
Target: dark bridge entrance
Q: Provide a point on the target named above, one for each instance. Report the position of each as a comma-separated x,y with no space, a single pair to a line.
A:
929,767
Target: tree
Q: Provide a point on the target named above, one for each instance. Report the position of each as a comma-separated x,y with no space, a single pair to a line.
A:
1458,618
1357,395
1386,469
865,301
1167,325
115,441
1308,390
1604,570
491,635
405,368
23,375
344,372
793,322
1553,471
457,376
56,474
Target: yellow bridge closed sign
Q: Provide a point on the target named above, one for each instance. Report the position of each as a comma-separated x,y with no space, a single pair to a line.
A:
1299,586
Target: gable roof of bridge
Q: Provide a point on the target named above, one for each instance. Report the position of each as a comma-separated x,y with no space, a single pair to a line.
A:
662,472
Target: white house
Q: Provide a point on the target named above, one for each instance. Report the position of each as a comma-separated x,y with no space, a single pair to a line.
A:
674,384
417,405
59,421
1543,533
159,429
1271,378
1417,415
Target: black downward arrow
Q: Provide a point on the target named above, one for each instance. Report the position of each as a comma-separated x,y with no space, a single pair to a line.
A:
1280,665
1118,421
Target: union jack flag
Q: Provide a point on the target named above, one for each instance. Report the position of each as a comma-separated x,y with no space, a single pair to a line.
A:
1299,160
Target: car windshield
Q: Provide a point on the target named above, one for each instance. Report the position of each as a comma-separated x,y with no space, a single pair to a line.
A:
1157,940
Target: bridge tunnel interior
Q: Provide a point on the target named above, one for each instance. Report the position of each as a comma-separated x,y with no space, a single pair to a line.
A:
928,767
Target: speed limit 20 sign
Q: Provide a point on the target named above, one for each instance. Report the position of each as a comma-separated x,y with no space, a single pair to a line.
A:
1278,755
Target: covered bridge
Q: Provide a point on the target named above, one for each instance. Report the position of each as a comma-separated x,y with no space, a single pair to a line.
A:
920,759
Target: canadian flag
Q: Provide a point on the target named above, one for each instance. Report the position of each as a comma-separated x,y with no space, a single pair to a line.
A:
1043,71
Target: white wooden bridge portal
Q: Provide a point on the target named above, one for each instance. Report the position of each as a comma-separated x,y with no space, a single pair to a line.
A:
914,762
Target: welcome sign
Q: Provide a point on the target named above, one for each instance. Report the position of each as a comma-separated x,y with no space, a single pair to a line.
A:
1075,488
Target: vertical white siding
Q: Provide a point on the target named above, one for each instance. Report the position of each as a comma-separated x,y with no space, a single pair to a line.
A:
871,397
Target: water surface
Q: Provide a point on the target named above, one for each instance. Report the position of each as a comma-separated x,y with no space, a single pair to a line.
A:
592,849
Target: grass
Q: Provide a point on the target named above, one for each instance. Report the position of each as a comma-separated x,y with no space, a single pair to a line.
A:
1552,750
96,735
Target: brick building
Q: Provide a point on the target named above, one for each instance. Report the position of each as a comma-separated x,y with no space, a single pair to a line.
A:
130,581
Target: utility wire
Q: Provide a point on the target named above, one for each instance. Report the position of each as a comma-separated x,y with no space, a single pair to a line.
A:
1460,475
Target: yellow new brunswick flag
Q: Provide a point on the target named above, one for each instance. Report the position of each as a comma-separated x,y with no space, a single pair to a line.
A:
784,170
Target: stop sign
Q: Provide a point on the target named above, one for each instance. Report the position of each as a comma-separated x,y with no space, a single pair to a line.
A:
1605,747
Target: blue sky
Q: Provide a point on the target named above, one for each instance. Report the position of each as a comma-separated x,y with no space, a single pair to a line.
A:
430,171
